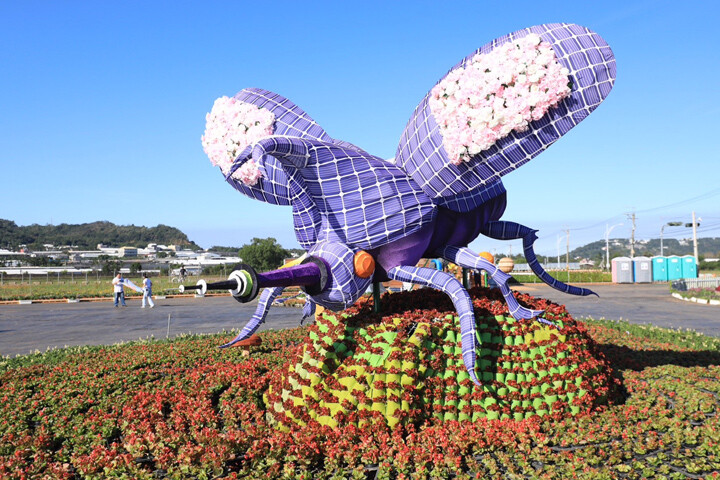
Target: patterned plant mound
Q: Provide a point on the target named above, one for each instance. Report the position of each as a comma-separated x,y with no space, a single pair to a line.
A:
405,366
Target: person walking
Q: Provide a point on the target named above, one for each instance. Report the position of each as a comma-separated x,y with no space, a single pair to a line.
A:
118,283
147,291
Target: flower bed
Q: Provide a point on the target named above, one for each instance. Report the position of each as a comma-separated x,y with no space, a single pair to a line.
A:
700,293
185,409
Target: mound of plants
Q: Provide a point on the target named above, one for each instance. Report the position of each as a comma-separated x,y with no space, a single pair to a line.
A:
185,409
405,366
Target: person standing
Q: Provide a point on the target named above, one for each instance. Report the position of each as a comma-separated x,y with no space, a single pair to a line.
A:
147,291
118,290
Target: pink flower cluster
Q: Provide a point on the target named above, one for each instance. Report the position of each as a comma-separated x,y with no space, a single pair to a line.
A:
248,173
497,93
231,126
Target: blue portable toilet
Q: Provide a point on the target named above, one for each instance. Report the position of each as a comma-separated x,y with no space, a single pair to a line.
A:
642,270
674,268
659,269
689,267
622,270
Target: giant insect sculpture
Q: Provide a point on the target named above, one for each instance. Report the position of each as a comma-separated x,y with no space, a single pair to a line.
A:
363,219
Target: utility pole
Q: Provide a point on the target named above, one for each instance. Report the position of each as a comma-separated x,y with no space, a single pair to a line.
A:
694,225
661,240
559,239
607,243
632,235
567,253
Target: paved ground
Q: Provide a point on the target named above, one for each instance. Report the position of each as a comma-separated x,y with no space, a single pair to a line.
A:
27,328
636,303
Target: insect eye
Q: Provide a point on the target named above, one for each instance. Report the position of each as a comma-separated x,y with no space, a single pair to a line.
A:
364,264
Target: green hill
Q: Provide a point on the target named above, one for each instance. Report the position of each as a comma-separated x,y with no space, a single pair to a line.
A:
88,235
707,247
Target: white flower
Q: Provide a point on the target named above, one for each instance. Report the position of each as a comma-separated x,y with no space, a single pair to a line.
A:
533,39
474,149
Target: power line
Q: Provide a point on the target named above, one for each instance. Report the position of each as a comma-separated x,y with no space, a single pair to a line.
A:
701,229
703,196
681,233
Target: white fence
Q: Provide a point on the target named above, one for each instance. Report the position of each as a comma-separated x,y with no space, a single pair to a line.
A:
682,285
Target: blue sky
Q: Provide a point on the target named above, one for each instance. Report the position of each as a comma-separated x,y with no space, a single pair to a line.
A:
102,105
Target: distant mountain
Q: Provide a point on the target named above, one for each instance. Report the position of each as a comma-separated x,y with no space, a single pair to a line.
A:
707,247
87,235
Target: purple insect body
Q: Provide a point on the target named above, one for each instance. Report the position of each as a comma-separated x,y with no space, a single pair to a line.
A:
345,200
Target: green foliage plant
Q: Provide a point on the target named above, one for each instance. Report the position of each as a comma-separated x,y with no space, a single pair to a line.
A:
263,254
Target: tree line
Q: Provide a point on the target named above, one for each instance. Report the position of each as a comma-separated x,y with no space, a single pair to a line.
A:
87,236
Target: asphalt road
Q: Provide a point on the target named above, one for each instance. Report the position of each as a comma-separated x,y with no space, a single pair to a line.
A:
37,327
636,303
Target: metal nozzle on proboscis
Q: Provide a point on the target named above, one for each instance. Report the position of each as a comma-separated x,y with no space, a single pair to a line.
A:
244,282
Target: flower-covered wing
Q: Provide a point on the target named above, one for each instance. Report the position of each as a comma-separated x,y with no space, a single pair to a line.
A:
497,93
461,139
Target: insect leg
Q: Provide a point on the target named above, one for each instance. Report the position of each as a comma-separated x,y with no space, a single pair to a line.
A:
501,230
308,309
468,259
266,299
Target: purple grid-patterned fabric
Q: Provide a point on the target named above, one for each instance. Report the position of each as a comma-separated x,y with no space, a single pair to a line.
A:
469,259
308,309
258,318
463,187
460,298
284,186
344,287
501,230
290,120
363,201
